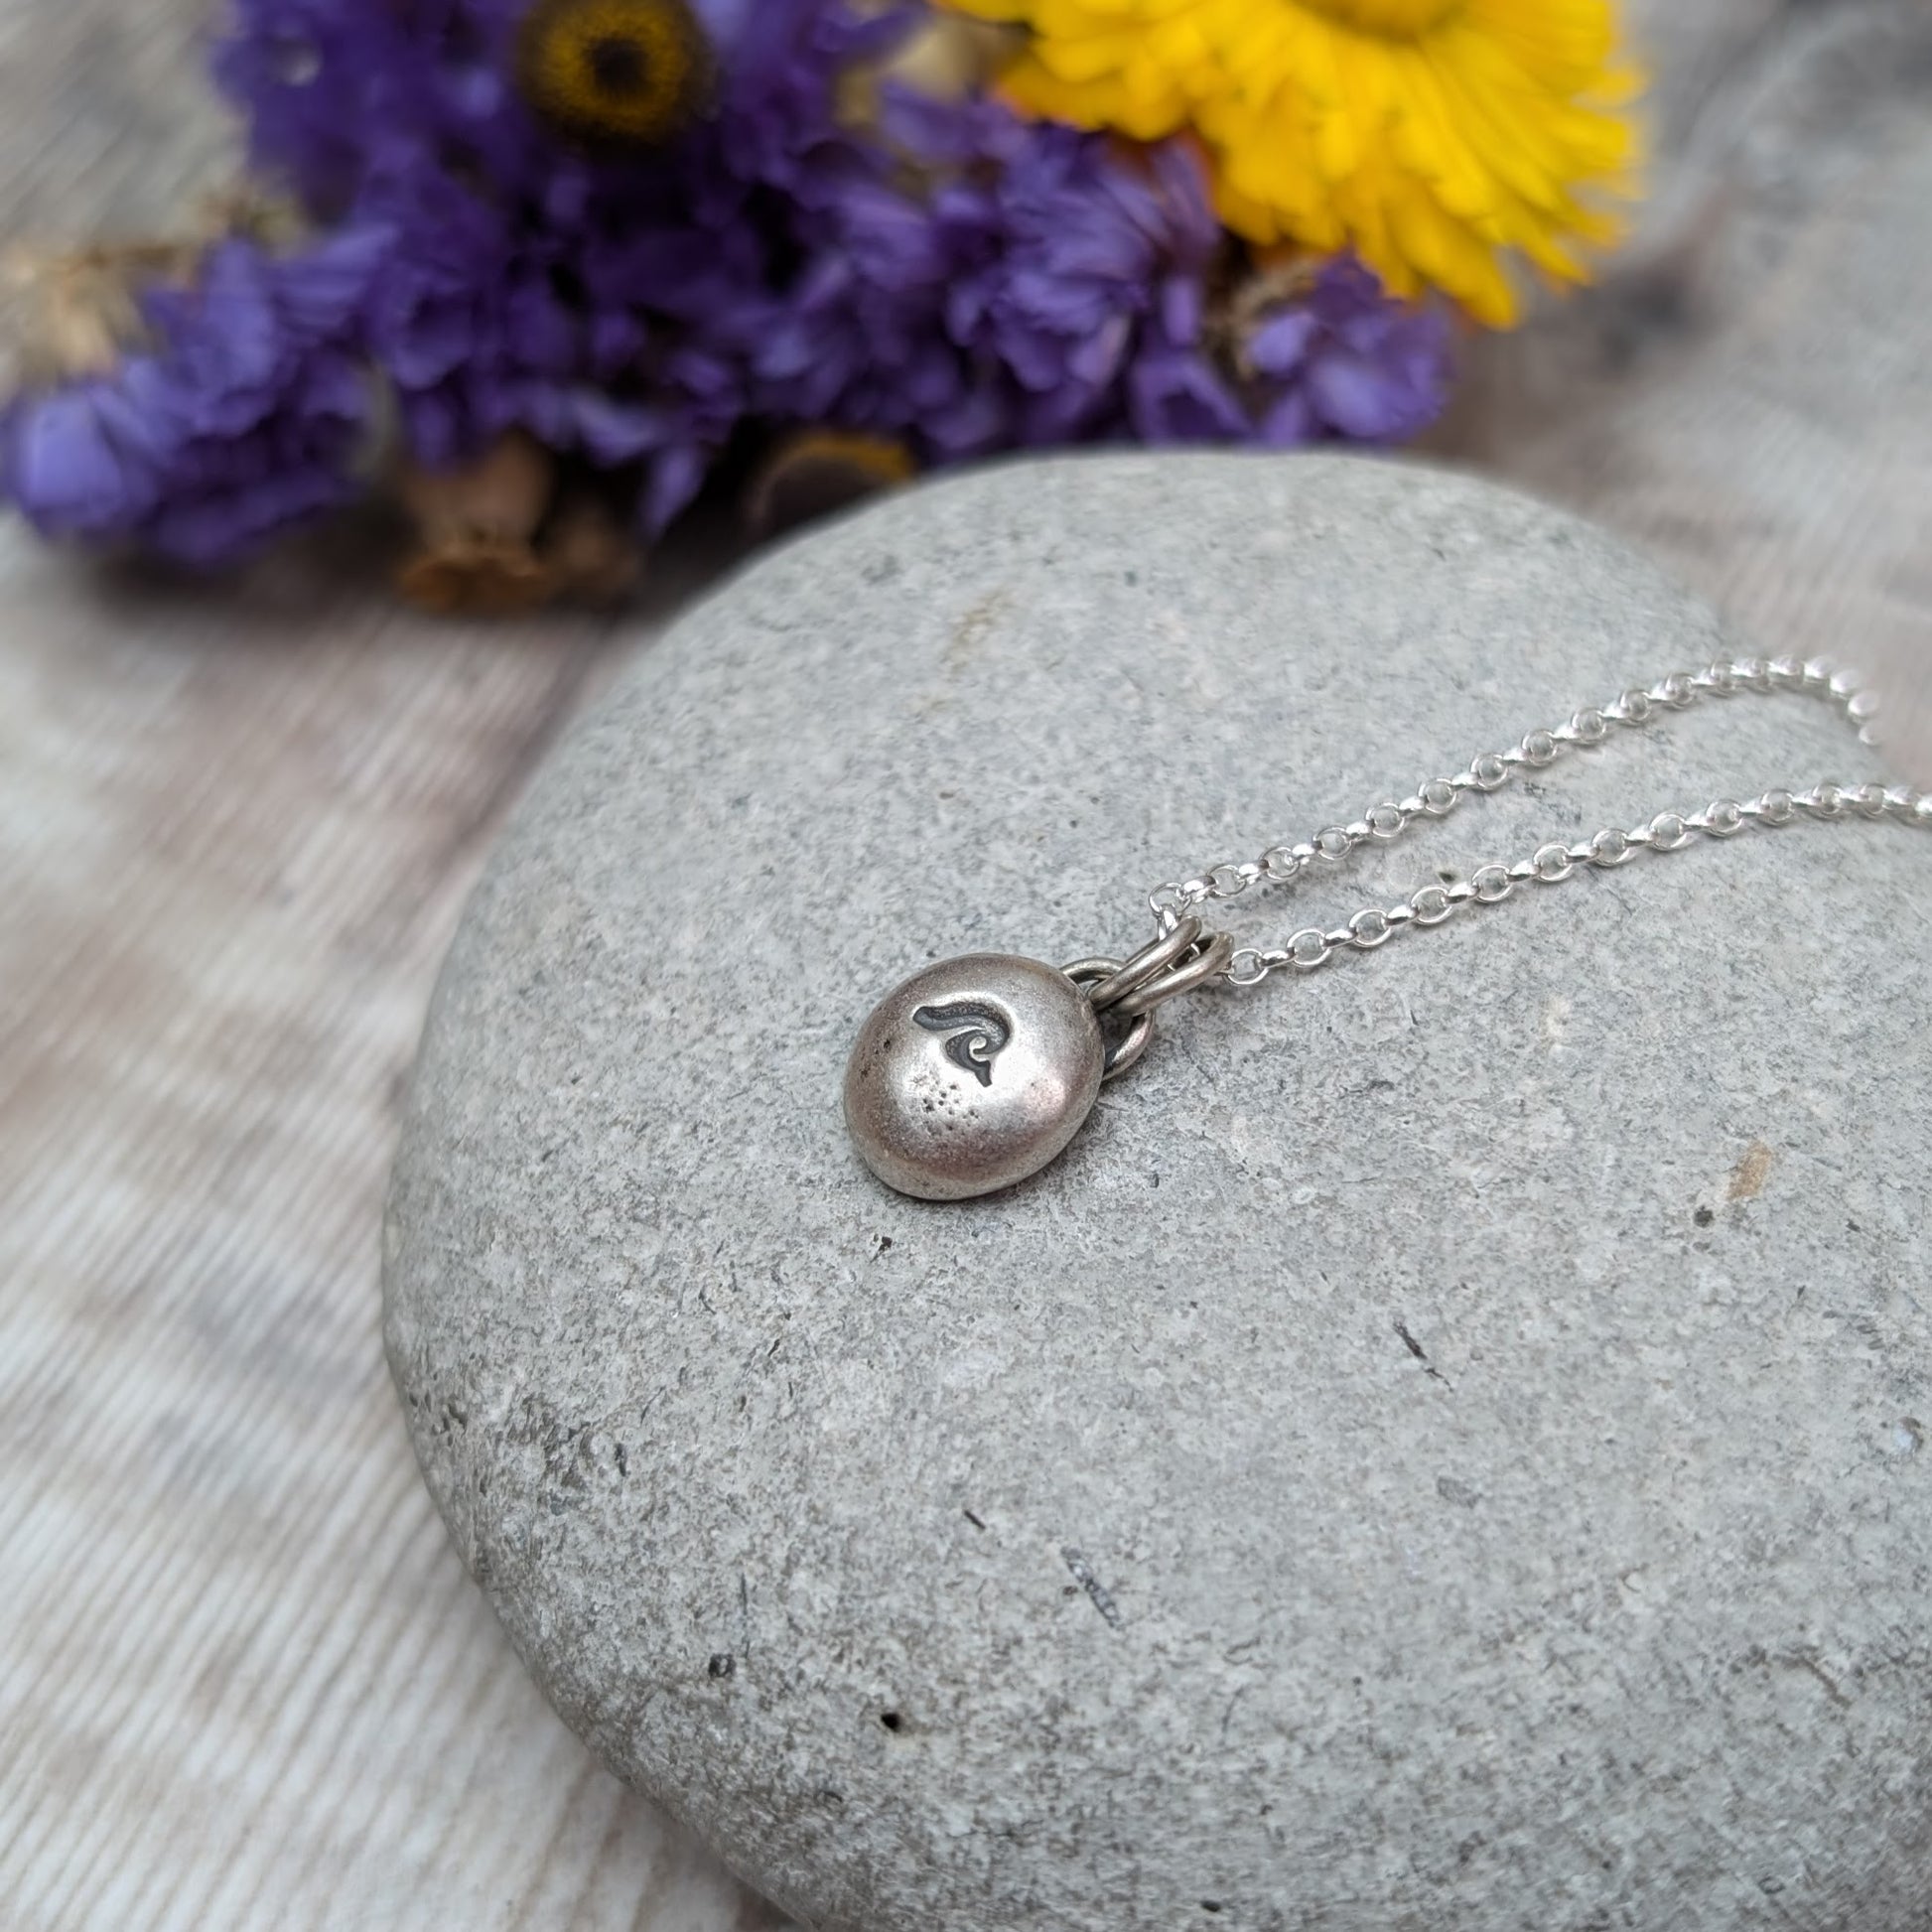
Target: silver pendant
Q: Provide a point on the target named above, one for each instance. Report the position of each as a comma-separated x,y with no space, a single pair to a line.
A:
977,1073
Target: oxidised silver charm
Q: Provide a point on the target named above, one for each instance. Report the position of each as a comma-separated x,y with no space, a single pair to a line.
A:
973,1076
976,1074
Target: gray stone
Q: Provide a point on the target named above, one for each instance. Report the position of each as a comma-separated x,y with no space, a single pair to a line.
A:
1446,1449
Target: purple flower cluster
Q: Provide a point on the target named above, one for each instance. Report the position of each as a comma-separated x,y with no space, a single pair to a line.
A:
1087,276
246,416
945,274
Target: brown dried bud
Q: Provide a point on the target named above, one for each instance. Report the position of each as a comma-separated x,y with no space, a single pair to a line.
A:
475,577
591,555
818,473
504,494
477,526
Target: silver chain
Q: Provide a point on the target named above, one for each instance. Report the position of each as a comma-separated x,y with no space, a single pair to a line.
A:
1173,903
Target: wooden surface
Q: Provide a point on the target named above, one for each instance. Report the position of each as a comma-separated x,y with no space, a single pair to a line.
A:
243,1681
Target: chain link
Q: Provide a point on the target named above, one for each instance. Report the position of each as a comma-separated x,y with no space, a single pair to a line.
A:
1552,864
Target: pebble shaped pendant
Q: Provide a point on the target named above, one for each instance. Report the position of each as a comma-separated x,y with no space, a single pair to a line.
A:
973,1076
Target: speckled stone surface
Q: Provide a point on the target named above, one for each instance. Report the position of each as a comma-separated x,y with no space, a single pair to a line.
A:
1447,1449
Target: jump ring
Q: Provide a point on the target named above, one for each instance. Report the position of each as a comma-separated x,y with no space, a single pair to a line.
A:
1147,964
1210,961
1125,1053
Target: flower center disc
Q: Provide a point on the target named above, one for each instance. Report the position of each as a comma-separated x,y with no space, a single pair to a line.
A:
614,73
1387,19
619,66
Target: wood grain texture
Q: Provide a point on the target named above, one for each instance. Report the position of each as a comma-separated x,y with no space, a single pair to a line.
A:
243,1681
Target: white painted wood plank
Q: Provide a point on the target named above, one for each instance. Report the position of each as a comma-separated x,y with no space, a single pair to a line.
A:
242,1678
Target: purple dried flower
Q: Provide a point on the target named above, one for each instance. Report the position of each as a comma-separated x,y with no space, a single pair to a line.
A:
339,93
1174,395
1078,292
610,300
770,263
246,416
1348,362
953,278
1081,252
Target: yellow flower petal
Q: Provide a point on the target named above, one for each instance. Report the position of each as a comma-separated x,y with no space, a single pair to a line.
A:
1439,139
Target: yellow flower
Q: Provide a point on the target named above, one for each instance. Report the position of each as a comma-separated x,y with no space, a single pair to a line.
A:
614,73
1434,137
